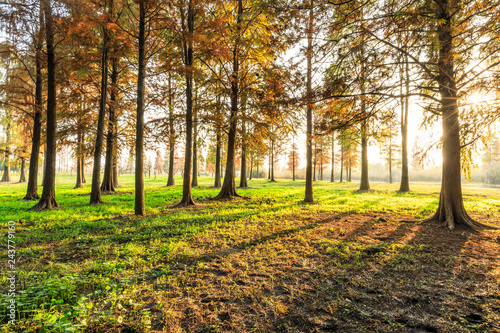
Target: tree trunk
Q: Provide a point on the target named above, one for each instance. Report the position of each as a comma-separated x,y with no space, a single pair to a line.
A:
22,178
171,157
405,178
79,166
194,181
187,198
293,164
272,161
243,177
365,184
108,181
332,176
451,210
257,176
341,162
32,191
139,207
6,168
95,193
228,189
218,163
48,199
309,118
390,157
251,167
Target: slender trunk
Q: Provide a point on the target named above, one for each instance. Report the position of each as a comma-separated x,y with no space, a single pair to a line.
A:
95,194
258,176
309,118
405,178
32,191
22,179
314,162
187,198
218,163
228,189
272,161
332,176
48,199
341,163
139,206
251,167
293,164
350,171
108,181
79,167
390,158
243,177
6,168
194,181
171,157
82,159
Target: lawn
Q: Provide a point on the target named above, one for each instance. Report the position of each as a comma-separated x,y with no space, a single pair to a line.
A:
354,262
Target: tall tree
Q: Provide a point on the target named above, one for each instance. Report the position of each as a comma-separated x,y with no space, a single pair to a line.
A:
48,199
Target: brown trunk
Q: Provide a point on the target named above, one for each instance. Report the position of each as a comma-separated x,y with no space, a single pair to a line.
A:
390,157
309,118
32,191
251,167
341,162
218,182
6,168
48,199
108,181
405,178
257,176
451,210
139,206
187,198
171,148
332,176
272,161
95,193
79,166
243,176
22,178
228,189
194,182
293,163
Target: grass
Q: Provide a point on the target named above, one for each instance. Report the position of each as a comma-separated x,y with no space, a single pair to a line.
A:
263,263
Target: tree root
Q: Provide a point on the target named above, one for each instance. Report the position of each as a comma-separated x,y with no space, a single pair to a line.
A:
45,204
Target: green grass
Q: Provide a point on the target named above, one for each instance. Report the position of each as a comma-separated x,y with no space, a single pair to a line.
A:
84,267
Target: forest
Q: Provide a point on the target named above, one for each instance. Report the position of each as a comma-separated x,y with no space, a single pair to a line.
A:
250,165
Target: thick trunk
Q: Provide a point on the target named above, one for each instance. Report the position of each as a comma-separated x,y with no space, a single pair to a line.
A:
309,118
32,191
451,210
405,178
139,206
22,178
95,193
187,198
171,148
108,180
48,198
228,189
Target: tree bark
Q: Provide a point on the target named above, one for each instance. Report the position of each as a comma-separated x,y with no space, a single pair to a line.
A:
171,156
272,162
309,119
139,207
95,193
79,166
187,198
341,162
22,178
108,180
405,178
194,181
451,210
6,169
48,198
243,177
332,176
228,189
251,167
32,190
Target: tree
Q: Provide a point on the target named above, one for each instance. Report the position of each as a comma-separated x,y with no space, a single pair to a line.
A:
293,159
48,199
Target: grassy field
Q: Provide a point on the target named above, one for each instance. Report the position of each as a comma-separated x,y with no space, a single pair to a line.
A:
354,262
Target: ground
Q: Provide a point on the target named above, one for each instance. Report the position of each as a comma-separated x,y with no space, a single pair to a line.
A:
354,262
